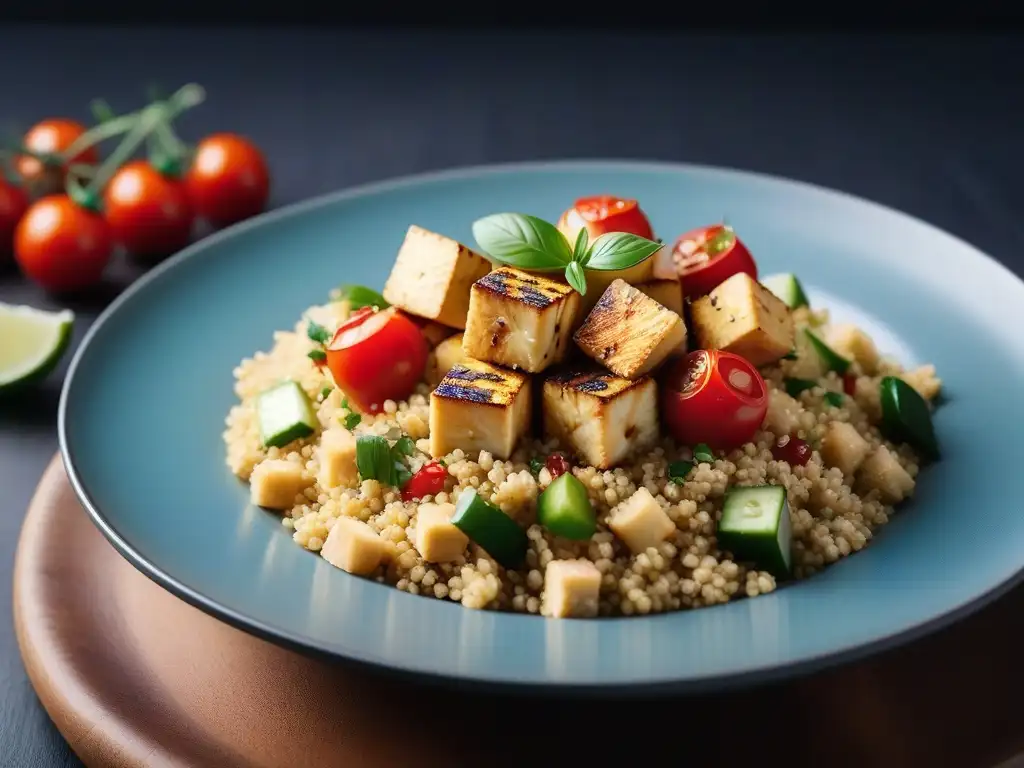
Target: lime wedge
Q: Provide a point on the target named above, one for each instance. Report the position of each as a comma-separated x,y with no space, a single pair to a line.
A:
32,342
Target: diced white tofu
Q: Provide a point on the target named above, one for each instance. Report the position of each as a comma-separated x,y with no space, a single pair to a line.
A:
437,540
571,589
354,546
445,356
433,333
843,447
630,333
783,415
641,522
881,471
601,417
519,320
668,293
924,380
337,456
479,407
853,344
743,317
275,483
432,275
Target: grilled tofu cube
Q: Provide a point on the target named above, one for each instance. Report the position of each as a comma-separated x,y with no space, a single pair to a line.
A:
882,472
641,522
571,589
479,407
445,356
432,275
601,417
668,293
630,333
337,457
437,540
744,317
275,483
519,320
843,447
354,546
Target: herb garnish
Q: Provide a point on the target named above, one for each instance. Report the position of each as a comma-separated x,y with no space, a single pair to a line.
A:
834,399
317,355
317,333
536,465
325,392
377,460
530,243
678,470
359,296
702,454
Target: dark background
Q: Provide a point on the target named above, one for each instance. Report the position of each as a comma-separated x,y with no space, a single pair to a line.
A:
927,123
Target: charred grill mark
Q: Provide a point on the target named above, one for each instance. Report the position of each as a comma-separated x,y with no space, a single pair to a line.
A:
596,383
533,291
530,295
462,373
461,392
630,431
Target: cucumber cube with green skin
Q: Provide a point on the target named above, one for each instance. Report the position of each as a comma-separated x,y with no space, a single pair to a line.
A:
755,527
832,359
485,524
285,413
787,288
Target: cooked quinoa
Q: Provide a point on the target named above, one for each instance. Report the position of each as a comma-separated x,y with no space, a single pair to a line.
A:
831,516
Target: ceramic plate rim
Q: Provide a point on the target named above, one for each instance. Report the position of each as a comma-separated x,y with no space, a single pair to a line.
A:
769,672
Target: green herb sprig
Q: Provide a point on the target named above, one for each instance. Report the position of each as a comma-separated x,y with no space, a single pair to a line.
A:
530,243
359,296
377,460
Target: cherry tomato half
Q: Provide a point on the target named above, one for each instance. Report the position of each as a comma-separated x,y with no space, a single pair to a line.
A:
377,356
714,397
228,180
149,213
429,481
61,245
13,204
47,138
602,214
705,257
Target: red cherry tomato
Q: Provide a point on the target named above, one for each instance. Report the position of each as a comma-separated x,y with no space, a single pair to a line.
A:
714,397
13,204
557,465
602,214
149,213
429,481
792,450
707,256
47,138
228,180
61,245
377,356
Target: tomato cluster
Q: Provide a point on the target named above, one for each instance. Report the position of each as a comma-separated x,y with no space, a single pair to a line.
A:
708,396
63,232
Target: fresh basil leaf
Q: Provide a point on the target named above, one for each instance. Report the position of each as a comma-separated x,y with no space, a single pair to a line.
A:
577,279
678,470
523,241
359,296
317,333
579,250
352,421
619,250
702,454
317,355
405,446
374,460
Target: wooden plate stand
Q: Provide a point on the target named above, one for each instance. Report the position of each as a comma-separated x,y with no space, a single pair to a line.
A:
132,676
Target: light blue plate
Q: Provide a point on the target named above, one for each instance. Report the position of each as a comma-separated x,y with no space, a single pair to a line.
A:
143,409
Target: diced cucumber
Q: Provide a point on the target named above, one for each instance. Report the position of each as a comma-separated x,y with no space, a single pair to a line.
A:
906,417
829,356
787,288
285,413
755,527
834,399
795,386
499,535
564,508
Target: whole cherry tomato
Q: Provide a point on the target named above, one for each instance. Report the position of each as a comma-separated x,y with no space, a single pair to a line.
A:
51,137
61,245
792,450
377,355
714,397
602,214
429,481
13,204
228,180
149,213
705,257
